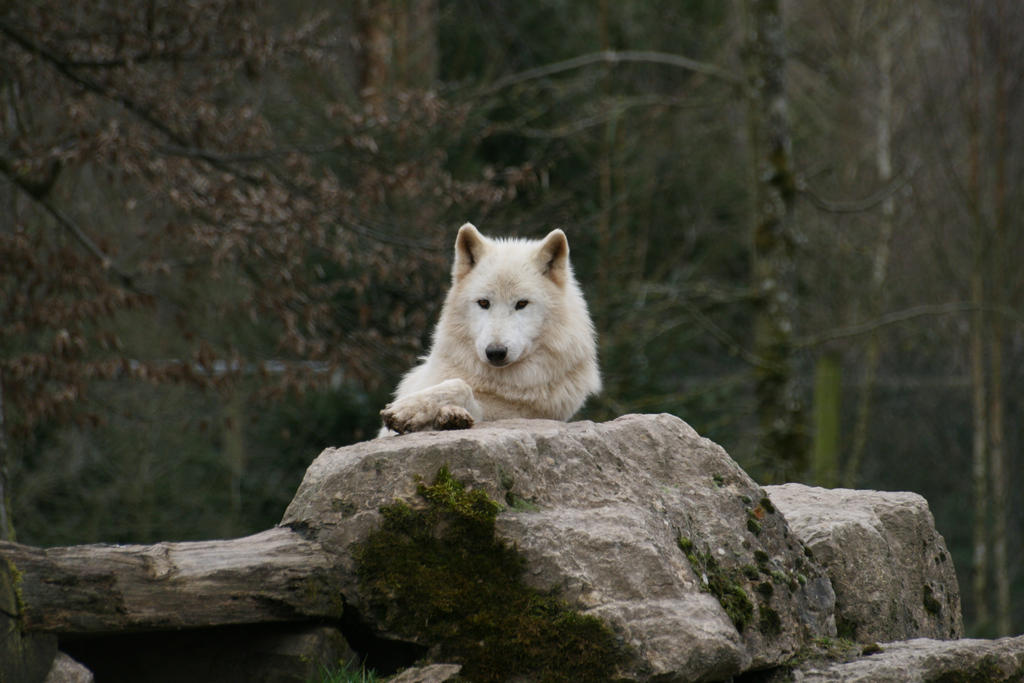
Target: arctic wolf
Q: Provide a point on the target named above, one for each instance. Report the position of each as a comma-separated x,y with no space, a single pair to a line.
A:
514,340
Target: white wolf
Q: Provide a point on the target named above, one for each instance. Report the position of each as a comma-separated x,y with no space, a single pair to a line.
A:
514,340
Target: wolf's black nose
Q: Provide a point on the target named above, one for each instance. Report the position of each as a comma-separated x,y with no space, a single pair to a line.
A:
497,354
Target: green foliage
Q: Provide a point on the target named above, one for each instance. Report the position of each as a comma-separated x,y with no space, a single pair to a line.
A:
346,672
177,463
282,443
436,573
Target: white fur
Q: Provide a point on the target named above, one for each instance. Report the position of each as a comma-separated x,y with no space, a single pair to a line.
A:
550,364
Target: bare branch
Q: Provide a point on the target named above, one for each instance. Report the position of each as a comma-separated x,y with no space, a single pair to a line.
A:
867,203
610,113
39,196
106,261
65,68
615,57
732,345
896,317
141,111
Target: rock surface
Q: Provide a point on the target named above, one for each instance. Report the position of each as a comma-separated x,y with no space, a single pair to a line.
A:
892,574
638,521
700,573
921,659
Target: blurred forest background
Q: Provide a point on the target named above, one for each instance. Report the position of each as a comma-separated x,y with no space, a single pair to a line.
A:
227,227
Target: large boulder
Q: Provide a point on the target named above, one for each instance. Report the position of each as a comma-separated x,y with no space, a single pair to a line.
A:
892,574
638,521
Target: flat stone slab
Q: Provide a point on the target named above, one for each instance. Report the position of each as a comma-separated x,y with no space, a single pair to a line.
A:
923,659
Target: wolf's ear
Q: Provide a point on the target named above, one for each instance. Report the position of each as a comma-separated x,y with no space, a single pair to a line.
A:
553,257
469,247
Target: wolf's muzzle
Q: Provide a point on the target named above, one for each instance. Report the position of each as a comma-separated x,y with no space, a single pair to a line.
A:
497,355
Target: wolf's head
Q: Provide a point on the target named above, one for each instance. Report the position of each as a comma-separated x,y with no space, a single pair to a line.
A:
508,291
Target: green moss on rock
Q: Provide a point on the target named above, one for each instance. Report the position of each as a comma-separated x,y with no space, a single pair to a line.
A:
931,604
24,656
436,574
725,584
826,651
770,622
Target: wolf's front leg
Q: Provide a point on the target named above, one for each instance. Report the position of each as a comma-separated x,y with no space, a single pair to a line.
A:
448,405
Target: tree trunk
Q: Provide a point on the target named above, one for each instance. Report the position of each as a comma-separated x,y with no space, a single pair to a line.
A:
979,455
979,408
998,276
827,396
782,438
397,45
233,440
6,523
880,264
604,167
997,480
275,575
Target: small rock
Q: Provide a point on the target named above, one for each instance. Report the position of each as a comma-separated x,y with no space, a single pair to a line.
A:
67,670
434,673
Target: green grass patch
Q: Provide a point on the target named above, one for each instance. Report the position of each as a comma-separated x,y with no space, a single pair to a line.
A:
346,673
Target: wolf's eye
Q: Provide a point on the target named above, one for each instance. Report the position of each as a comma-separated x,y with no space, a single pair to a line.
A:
483,303
521,304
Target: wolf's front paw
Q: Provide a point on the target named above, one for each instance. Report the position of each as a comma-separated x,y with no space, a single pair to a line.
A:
453,417
448,405
396,419
414,414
